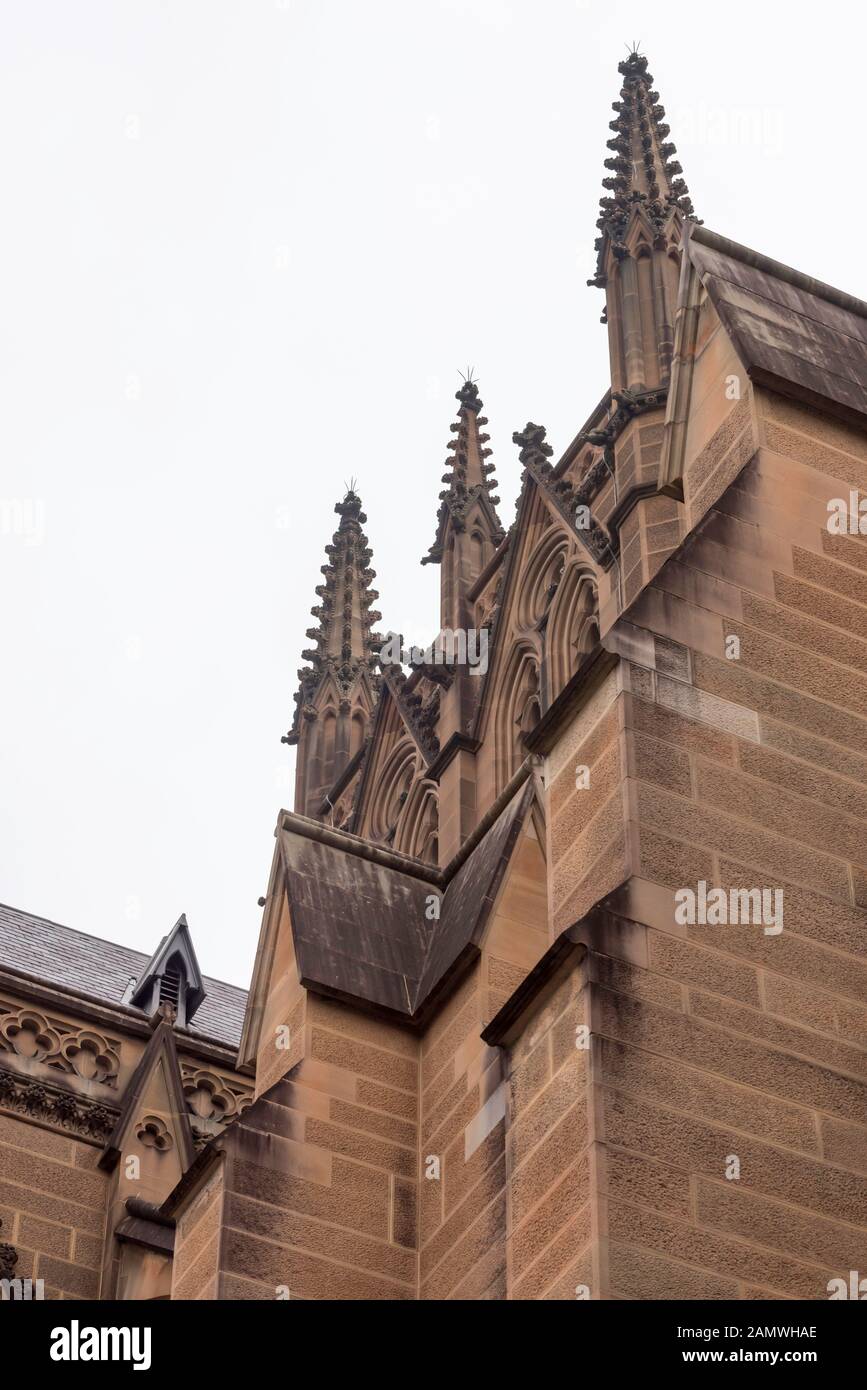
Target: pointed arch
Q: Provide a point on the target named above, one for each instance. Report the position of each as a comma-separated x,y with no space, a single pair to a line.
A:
478,552
518,708
541,577
573,625
328,744
390,796
357,730
419,826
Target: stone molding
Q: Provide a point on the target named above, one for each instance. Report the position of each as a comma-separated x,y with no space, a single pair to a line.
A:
60,1109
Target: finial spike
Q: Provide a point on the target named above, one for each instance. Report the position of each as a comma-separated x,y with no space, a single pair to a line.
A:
643,175
345,643
468,479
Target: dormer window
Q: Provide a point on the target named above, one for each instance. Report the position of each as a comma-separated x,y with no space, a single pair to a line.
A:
171,976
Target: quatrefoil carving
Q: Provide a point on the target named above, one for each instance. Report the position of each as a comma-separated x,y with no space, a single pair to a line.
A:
151,1132
90,1056
207,1096
29,1034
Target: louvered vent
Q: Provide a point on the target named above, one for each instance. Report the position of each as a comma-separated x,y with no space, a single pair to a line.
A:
170,986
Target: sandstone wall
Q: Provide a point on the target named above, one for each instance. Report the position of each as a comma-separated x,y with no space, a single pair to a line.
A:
552,1212
52,1205
198,1234
321,1172
744,770
710,1141
464,1099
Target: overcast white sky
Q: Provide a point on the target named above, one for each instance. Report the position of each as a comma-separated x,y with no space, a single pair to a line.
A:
246,244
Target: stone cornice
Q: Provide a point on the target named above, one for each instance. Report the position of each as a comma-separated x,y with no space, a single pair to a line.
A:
354,844
54,1107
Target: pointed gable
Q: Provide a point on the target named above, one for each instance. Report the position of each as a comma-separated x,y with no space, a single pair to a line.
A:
171,976
154,1121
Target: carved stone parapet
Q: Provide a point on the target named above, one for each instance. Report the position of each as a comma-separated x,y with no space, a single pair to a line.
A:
59,1045
60,1109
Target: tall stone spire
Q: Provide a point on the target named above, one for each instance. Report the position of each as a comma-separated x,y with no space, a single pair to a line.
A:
468,527
640,223
338,689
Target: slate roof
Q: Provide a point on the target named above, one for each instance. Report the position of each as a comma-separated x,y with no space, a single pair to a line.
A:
794,334
102,970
